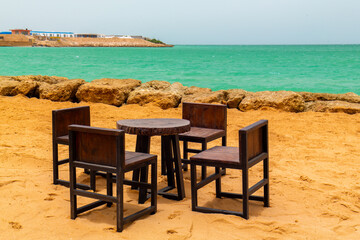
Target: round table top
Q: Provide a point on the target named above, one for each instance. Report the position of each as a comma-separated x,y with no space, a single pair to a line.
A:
154,126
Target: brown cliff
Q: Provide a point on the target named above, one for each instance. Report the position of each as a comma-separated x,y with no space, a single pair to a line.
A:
11,40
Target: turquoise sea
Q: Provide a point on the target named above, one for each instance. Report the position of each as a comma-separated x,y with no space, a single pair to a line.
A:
313,68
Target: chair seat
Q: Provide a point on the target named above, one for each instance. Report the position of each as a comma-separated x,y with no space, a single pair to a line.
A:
134,159
218,156
63,139
197,134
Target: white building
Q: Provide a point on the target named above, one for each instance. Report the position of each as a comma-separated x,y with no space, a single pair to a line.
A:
52,34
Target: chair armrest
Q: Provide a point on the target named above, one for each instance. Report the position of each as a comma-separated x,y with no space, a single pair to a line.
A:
254,126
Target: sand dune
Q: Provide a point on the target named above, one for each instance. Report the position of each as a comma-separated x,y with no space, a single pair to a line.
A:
314,180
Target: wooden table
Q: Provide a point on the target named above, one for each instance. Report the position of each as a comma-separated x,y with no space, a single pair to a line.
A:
168,129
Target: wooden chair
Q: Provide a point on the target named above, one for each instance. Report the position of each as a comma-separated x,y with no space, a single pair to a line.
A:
253,148
100,149
61,119
208,122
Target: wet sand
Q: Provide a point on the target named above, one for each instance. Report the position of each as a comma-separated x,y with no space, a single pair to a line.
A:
314,179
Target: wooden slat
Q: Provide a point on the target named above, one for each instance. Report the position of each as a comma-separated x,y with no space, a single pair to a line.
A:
139,214
257,159
256,125
193,150
137,158
258,185
63,161
78,185
95,195
136,184
218,156
197,134
90,206
240,196
207,180
214,210
62,118
93,166
205,115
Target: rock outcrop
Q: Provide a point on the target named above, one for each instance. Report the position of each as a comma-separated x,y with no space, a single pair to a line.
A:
234,97
333,106
207,97
8,86
283,100
40,79
107,90
191,93
160,93
165,95
347,97
60,92
26,85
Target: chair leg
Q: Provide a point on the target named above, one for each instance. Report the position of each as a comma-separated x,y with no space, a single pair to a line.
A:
119,202
167,155
143,178
266,187
203,168
142,145
185,154
218,183
109,188
154,186
245,186
194,202
223,143
178,168
55,163
92,180
163,160
135,177
73,199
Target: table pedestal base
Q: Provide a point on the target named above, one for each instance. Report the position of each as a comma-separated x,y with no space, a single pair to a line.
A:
170,153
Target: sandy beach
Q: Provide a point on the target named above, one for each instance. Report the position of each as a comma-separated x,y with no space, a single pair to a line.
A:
314,179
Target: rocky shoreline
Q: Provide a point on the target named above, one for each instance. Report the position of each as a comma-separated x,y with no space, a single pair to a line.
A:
16,40
97,42
165,95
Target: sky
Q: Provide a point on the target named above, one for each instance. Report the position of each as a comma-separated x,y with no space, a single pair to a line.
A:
194,21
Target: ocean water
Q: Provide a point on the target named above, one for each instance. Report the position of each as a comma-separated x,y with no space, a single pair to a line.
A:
313,68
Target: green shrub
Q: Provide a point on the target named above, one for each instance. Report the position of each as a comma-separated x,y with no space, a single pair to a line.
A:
154,40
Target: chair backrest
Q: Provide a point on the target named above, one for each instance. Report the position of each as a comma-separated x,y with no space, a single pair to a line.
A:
99,146
62,118
205,115
253,141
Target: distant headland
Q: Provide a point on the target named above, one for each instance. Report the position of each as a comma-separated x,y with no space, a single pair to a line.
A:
30,38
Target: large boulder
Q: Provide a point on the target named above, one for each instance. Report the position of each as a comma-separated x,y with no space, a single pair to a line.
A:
207,97
196,90
62,91
192,93
284,100
178,88
163,99
107,90
234,97
9,86
155,85
40,79
159,93
347,97
333,106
